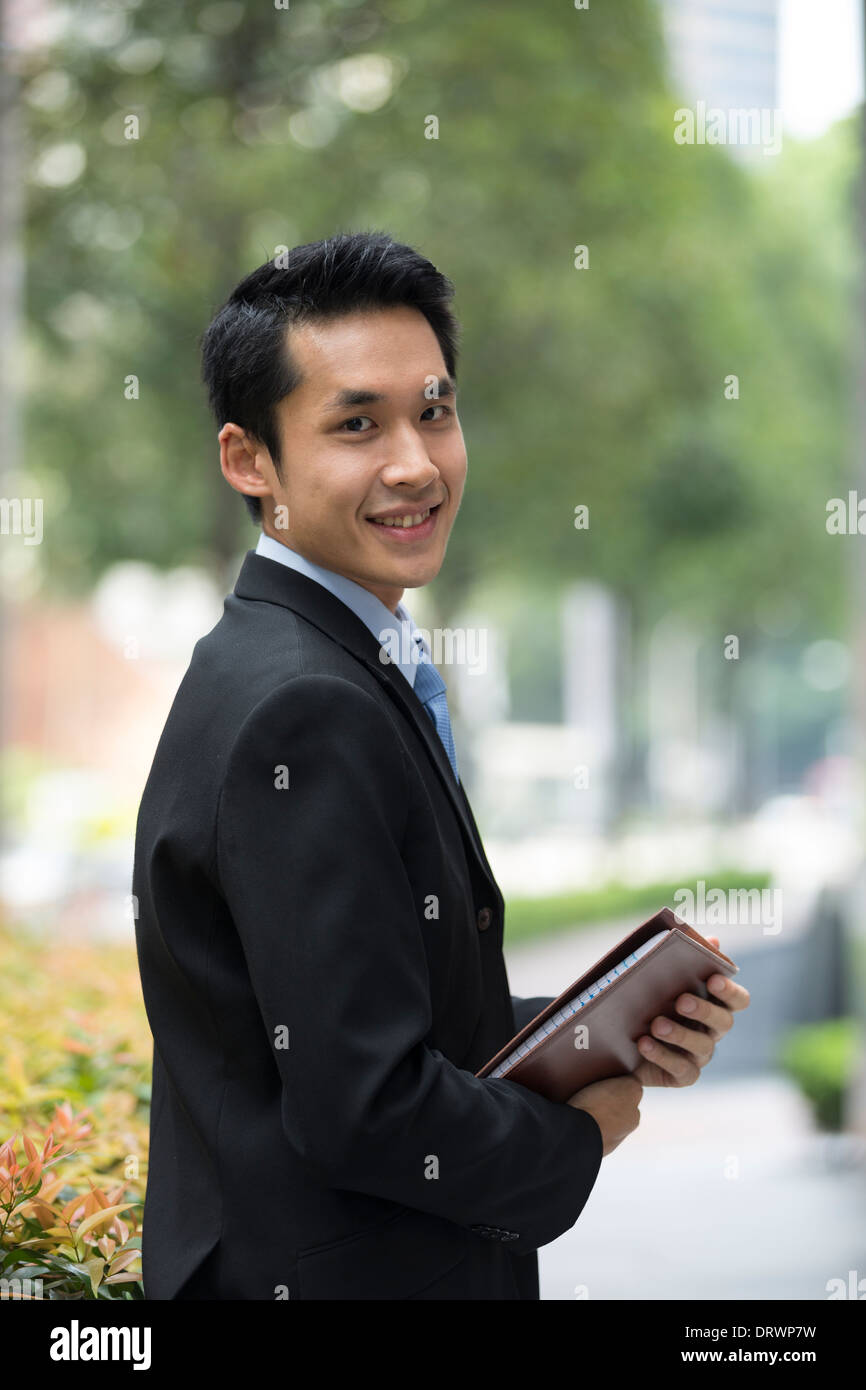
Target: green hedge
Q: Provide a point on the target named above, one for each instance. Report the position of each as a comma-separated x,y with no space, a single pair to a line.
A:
531,917
821,1057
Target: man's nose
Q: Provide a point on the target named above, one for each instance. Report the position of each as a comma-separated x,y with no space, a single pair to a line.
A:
408,460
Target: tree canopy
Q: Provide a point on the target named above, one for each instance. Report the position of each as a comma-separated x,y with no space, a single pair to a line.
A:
602,386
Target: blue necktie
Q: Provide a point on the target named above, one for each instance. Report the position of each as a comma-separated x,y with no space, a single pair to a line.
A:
430,689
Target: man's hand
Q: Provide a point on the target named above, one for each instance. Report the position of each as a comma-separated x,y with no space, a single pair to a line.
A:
614,1105
665,1064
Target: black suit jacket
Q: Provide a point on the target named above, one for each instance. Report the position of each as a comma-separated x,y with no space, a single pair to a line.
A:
319,937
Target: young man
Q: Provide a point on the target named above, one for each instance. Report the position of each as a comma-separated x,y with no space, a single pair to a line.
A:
319,930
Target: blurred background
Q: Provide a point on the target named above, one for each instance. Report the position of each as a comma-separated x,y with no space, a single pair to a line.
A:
654,215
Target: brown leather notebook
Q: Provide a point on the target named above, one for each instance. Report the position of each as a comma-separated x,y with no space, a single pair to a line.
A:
590,1032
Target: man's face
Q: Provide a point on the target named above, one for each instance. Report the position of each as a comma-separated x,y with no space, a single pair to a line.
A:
349,460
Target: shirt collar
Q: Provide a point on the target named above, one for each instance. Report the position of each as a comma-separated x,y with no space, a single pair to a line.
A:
388,628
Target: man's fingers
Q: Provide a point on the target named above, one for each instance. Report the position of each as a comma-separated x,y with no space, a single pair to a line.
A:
698,1043
736,996
717,1020
676,1052
732,995
682,1070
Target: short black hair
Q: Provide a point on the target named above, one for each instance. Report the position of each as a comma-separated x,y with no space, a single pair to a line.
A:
246,365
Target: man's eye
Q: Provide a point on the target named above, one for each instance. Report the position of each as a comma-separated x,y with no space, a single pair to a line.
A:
353,421
351,424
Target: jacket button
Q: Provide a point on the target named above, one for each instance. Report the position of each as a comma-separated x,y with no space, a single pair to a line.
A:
485,917
496,1233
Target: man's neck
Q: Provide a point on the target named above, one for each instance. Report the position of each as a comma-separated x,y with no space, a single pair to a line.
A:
388,596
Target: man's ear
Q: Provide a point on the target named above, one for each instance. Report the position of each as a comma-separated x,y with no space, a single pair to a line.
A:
244,461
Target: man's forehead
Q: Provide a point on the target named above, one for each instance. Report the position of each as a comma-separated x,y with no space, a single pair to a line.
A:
333,376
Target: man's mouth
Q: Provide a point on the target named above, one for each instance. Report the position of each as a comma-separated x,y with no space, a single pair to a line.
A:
414,525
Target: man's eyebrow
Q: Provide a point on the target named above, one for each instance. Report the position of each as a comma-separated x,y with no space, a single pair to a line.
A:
364,396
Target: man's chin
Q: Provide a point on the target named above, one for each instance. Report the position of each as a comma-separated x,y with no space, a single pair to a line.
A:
405,571
416,576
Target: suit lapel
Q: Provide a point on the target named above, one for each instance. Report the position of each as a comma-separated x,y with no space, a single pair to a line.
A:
403,695
267,580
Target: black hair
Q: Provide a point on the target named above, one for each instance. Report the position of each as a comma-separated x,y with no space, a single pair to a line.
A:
246,363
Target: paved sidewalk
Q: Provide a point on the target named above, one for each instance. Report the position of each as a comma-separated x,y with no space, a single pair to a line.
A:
724,1191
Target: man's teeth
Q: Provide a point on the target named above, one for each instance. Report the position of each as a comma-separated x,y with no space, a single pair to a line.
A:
402,520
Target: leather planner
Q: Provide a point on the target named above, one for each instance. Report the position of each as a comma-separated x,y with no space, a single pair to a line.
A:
590,1032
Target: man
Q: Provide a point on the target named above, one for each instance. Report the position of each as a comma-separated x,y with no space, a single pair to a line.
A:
319,930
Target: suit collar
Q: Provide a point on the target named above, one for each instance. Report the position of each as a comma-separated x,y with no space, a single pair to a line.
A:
267,581
370,609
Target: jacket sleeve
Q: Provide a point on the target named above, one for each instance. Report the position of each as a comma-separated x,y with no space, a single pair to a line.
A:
312,812
525,1010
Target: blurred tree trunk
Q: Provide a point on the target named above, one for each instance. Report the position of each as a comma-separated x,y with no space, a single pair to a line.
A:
858,555
11,281
856,913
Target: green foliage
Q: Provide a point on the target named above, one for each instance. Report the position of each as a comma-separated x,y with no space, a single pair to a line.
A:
821,1058
533,917
601,386
57,1242
75,1097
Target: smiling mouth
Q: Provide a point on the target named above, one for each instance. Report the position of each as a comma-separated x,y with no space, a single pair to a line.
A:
410,521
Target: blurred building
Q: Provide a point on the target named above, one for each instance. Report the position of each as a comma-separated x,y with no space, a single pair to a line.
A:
724,54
